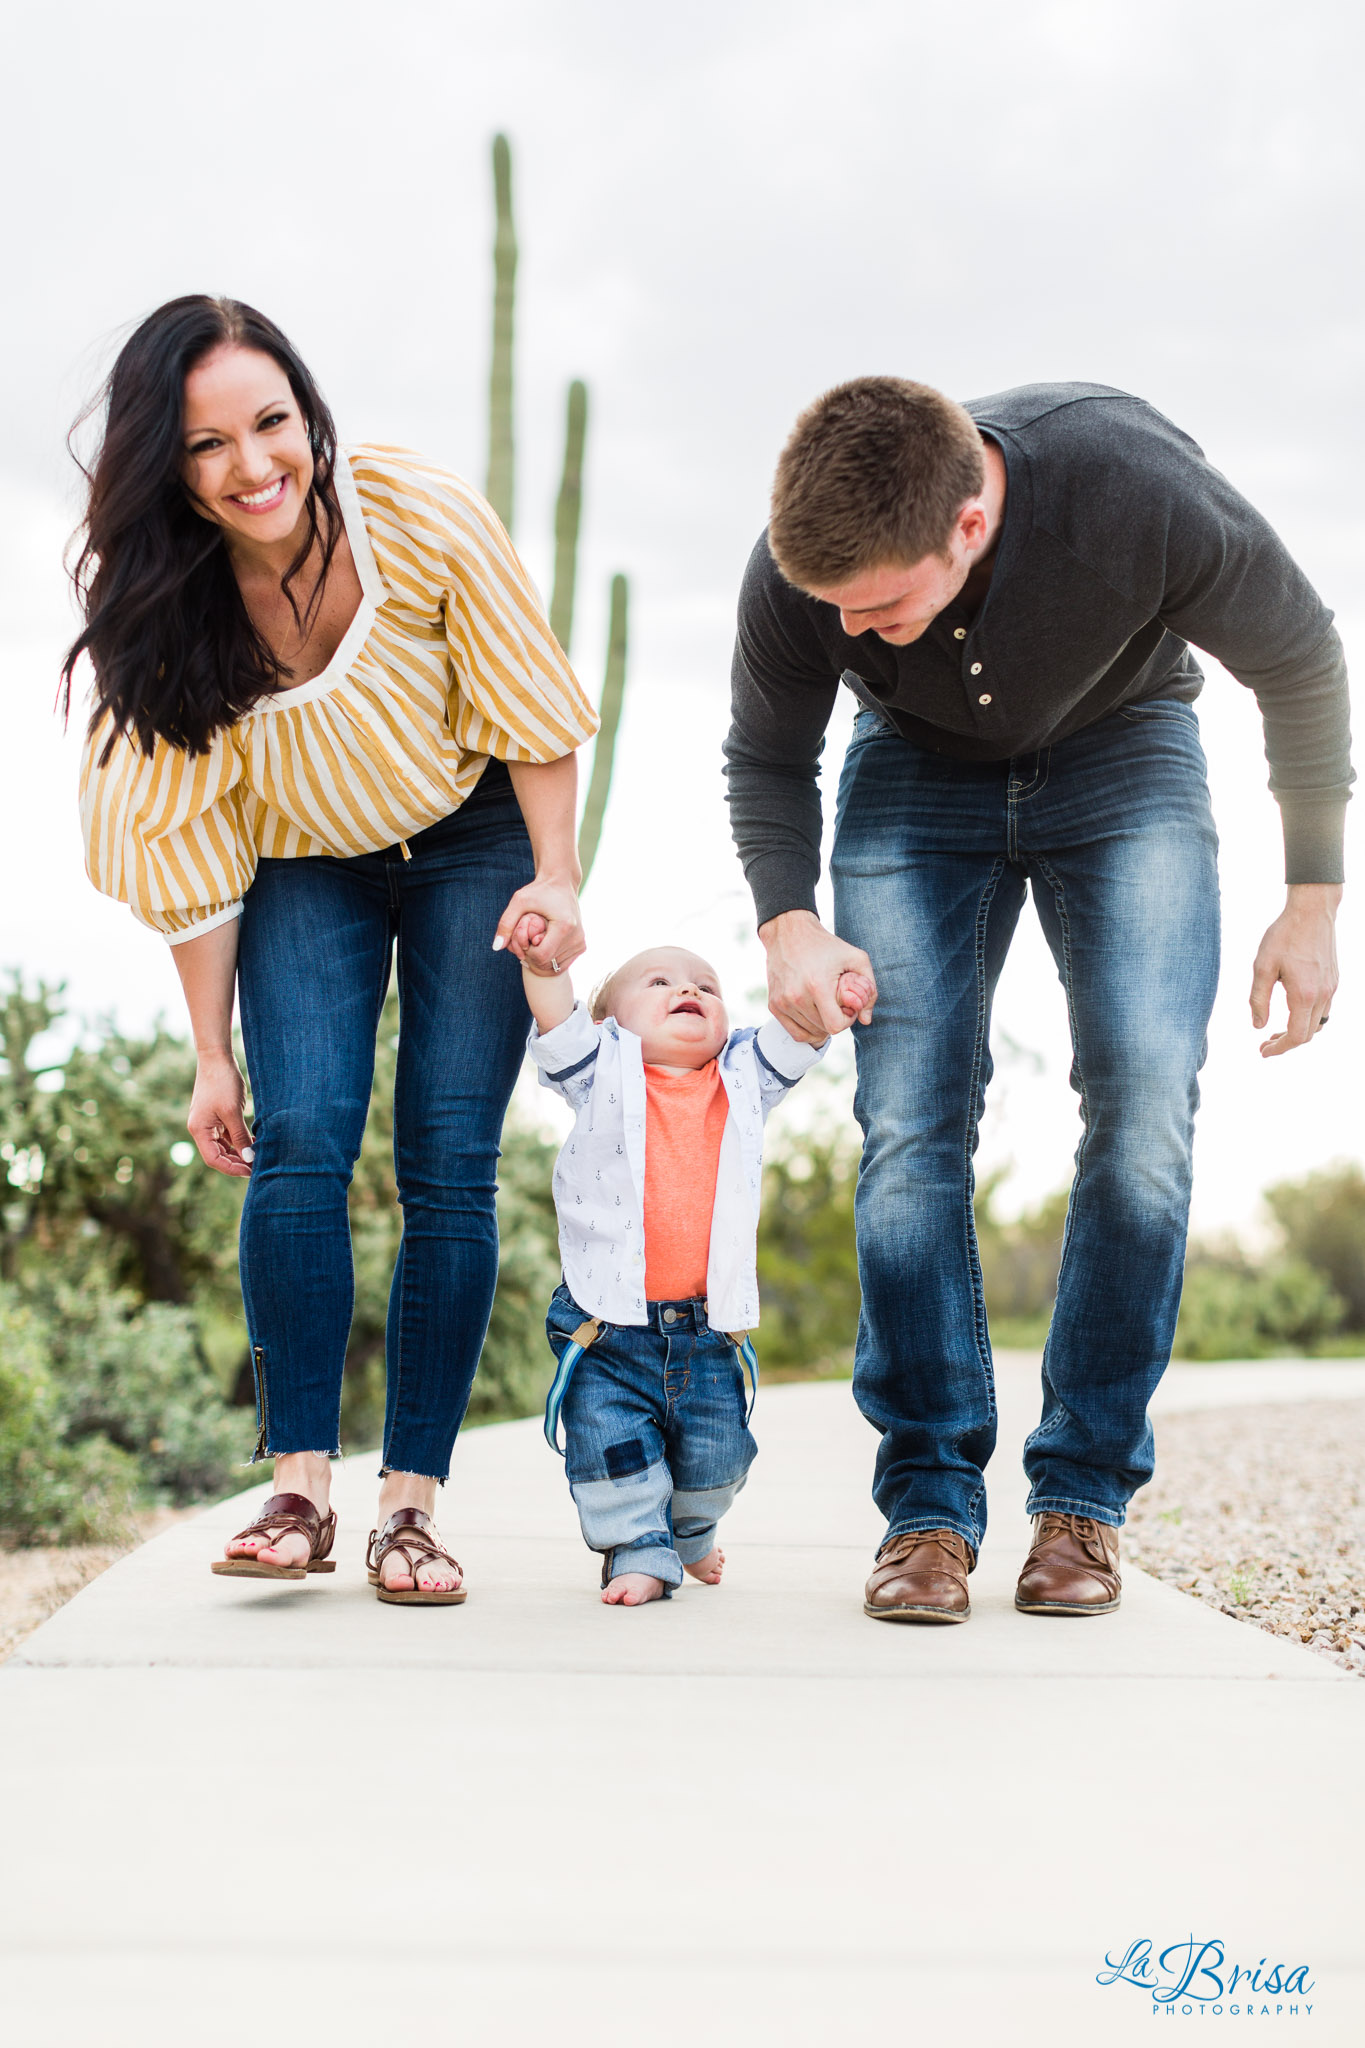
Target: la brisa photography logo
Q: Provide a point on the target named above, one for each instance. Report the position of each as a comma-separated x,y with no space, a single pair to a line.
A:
1194,1976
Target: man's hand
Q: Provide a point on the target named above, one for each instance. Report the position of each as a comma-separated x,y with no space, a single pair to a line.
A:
1300,952
804,965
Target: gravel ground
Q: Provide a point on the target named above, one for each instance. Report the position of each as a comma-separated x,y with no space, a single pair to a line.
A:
1261,1512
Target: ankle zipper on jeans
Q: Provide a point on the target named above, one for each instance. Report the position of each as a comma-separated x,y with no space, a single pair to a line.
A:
262,1405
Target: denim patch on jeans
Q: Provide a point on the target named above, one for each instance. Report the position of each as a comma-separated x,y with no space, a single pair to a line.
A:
656,1435
1112,831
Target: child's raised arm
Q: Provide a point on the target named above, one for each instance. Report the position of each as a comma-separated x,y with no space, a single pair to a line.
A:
549,995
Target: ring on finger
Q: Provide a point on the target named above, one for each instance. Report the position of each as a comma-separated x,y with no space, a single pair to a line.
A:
555,967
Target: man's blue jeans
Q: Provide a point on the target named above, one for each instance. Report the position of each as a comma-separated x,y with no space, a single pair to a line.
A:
656,1437
317,941
1113,832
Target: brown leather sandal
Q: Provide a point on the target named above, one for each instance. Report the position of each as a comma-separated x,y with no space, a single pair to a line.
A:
284,1514
413,1534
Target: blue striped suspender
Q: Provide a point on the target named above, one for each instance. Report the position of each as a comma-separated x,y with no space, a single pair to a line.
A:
586,1334
745,1344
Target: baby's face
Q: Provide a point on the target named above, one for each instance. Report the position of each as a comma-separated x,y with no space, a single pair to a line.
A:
671,1000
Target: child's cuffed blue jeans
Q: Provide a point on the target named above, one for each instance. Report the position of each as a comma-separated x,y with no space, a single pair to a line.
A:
657,1441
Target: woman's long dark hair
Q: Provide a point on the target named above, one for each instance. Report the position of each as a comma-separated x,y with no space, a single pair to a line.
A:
175,654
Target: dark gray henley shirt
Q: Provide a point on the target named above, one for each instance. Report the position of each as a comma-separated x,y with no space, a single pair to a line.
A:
1120,545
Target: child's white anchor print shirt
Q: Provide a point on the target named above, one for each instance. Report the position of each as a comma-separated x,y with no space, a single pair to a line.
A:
599,1178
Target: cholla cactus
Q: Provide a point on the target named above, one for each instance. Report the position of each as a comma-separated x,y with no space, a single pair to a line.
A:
501,488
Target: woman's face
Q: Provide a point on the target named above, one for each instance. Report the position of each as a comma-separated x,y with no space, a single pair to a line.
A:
247,459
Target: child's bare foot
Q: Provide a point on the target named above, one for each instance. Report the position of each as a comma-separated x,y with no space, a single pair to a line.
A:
632,1589
709,1568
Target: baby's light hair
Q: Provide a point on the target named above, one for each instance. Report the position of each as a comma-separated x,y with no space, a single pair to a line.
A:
599,1002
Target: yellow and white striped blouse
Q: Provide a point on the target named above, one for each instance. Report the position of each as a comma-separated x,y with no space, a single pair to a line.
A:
448,660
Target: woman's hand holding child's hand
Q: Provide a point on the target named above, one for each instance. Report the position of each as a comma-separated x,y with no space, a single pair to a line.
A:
528,933
550,910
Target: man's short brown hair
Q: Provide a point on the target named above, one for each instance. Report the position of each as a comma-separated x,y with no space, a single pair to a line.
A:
874,474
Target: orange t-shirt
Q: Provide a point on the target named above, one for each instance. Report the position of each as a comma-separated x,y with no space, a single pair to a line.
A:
684,1124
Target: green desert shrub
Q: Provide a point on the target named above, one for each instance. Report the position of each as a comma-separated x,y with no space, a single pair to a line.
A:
1322,1220
1233,1309
517,1365
134,1375
52,1489
807,1260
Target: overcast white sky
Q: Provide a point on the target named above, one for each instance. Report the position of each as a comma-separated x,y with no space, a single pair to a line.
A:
722,209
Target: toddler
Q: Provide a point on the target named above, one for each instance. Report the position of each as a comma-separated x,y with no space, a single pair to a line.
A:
657,1191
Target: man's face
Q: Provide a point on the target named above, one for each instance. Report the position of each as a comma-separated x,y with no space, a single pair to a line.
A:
897,600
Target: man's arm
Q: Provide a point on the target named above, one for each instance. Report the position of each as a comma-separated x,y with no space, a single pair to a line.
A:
1234,590
782,694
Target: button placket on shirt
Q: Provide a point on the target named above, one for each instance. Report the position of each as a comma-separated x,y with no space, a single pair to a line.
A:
975,669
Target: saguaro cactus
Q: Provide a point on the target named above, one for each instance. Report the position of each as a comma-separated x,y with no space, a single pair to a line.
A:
501,486
613,691
500,491
568,508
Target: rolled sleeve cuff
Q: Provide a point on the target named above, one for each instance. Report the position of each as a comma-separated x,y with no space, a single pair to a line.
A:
784,1055
208,922
570,1045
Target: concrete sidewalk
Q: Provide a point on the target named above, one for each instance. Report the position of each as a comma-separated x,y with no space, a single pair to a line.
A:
235,1810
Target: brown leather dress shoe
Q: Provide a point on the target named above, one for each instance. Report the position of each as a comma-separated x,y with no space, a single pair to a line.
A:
921,1576
1073,1567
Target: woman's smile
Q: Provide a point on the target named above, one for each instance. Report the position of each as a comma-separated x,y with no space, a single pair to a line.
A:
263,500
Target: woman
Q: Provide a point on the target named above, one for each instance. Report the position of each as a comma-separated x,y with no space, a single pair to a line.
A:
328,713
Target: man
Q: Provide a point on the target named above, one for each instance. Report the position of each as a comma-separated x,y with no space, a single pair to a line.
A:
1009,589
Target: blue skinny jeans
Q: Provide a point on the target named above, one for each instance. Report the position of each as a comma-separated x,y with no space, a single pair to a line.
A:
1112,831
317,943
